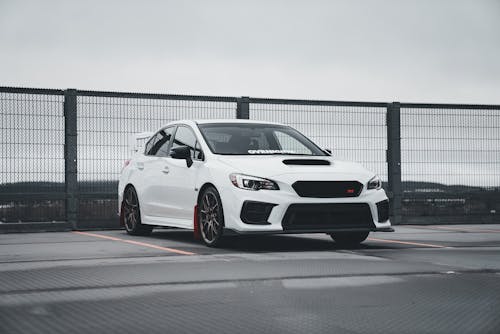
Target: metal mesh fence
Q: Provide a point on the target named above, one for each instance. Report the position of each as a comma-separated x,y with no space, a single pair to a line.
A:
105,125
450,154
355,133
450,165
31,156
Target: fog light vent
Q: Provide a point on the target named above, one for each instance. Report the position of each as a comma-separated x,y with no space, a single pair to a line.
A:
256,213
383,211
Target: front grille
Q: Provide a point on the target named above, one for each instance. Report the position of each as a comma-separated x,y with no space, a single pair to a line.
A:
327,216
256,213
327,189
383,211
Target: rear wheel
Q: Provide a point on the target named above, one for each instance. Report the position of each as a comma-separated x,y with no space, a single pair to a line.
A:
210,217
349,238
132,214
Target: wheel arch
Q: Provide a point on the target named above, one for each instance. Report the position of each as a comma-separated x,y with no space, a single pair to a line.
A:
202,188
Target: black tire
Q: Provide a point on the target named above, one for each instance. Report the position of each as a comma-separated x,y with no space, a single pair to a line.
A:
132,214
349,238
210,217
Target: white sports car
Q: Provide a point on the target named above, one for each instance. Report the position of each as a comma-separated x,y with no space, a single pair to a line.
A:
226,177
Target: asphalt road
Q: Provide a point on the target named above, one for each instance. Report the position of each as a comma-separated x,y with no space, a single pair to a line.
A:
435,279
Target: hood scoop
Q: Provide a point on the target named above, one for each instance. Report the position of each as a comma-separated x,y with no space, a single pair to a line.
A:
306,162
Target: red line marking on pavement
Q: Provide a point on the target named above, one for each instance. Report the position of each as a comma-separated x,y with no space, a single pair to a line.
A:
138,243
458,229
407,243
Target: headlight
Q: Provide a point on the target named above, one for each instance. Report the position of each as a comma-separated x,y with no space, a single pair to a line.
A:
252,182
374,183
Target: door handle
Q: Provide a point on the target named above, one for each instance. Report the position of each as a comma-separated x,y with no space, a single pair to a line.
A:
166,170
139,165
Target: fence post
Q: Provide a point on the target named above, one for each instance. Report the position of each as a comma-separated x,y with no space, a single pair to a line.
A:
70,156
394,161
242,108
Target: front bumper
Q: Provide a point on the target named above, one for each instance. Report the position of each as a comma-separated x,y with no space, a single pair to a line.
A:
234,198
232,232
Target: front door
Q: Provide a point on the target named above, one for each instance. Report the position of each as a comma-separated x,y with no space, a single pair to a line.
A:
181,179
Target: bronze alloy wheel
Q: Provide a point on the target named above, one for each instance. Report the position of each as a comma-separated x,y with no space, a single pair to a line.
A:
132,214
211,217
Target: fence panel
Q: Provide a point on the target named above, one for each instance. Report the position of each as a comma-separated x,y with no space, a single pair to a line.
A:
450,164
105,124
31,155
353,132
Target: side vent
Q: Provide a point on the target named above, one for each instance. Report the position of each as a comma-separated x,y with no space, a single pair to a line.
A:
306,162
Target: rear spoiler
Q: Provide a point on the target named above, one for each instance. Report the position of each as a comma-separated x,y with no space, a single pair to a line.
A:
138,140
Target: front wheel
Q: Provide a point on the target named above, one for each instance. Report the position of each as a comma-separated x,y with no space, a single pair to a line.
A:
132,214
210,217
349,238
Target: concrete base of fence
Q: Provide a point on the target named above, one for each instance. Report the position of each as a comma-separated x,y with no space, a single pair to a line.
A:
35,227
59,226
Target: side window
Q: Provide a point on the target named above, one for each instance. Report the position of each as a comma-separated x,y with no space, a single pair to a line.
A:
158,144
150,144
164,142
185,137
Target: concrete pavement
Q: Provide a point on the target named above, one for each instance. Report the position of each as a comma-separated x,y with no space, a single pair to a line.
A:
429,279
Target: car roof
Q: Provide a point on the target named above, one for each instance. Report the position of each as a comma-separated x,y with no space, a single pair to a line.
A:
194,123
236,121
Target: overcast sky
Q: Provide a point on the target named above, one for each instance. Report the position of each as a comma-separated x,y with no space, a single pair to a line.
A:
413,51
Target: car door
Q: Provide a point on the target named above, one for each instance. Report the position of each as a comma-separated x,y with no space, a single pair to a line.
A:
180,179
151,197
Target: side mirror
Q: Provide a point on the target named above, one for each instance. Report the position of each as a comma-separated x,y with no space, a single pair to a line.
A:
182,152
328,150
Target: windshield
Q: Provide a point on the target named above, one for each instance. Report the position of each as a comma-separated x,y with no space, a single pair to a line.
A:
257,139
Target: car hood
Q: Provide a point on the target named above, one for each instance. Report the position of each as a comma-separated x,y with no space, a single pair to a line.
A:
273,167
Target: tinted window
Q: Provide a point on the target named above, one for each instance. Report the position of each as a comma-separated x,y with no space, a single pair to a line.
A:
158,145
150,144
254,139
166,135
186,137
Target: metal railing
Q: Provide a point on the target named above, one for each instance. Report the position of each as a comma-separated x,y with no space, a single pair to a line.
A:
62,150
